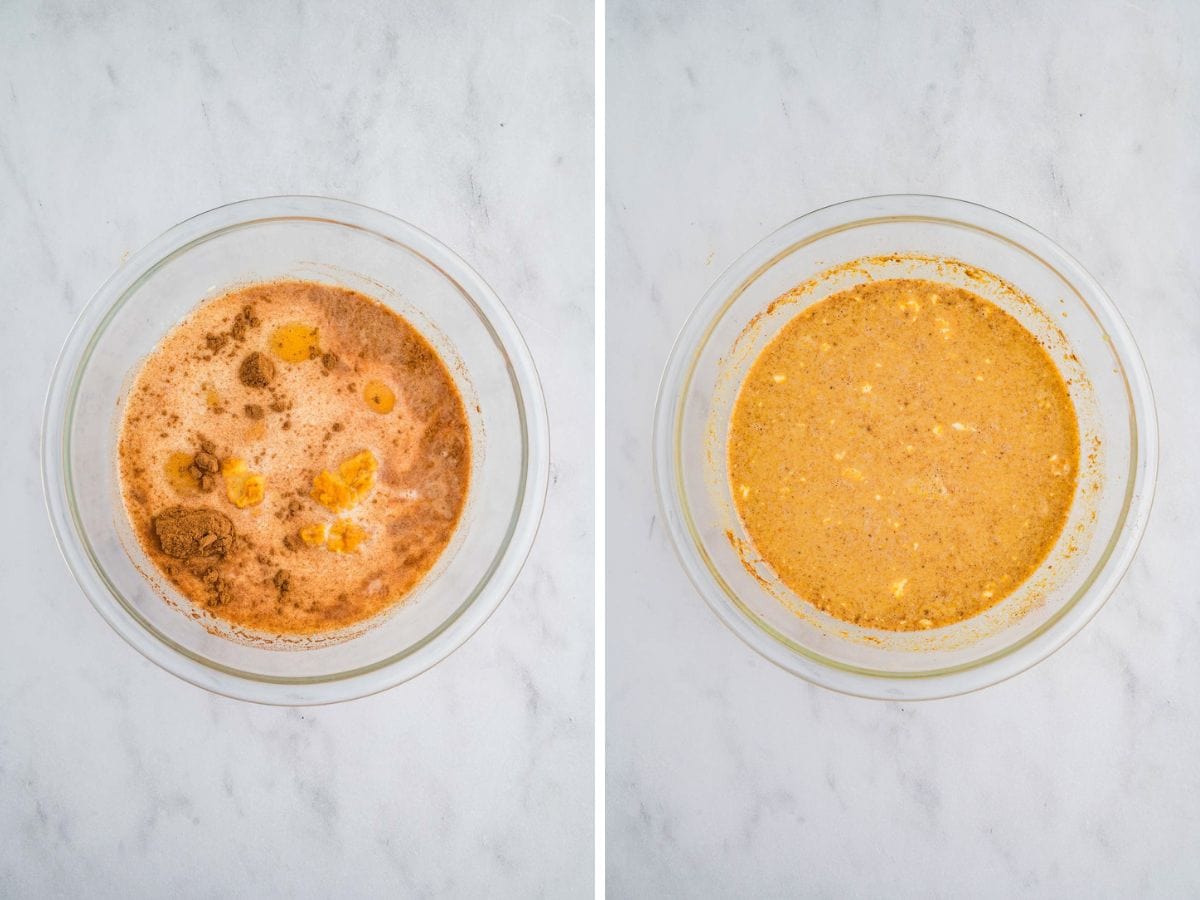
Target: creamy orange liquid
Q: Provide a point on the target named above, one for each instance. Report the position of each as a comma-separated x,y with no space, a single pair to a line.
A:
357,394
903,454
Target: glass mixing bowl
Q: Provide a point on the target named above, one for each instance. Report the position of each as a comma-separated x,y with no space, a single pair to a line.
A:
943,240
335,242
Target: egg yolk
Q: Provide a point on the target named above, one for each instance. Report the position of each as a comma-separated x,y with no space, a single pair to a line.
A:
379,397
313,535
242,487
344,536
295,342
341,490
176,468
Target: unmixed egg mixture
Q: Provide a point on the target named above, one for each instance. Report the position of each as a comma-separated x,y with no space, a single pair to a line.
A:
294,457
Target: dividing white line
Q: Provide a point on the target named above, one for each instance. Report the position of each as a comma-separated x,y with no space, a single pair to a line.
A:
599,371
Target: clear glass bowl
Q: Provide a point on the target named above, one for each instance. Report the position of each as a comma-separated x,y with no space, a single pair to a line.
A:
334,242
940,239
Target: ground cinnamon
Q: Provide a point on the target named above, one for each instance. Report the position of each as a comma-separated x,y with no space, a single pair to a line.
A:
256,370
187,532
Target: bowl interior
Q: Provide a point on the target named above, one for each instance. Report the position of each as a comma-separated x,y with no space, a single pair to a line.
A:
293,246
1040,295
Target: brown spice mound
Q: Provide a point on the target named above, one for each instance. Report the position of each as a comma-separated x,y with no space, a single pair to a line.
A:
204,467
282,581
219,589
294,507
221,592
243,322
254,411
187,532
257,370
329,360
206,462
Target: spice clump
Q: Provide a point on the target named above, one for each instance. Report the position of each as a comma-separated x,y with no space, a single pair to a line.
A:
257,370
186,532
205,466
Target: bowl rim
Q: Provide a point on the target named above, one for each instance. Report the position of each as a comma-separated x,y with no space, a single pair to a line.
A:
468,617
809,665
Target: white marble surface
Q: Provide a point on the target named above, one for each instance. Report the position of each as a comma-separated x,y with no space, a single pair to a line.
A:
472,120
729,777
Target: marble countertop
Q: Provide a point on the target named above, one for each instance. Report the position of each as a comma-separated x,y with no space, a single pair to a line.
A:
730,777
474,122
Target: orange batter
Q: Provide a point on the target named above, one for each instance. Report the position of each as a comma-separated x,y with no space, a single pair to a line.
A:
294,457
903,454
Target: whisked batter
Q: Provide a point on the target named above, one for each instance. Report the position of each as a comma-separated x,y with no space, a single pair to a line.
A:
903,454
